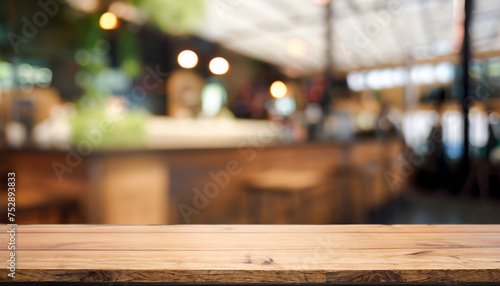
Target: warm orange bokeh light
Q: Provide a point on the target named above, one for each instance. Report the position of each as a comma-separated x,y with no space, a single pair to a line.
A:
278,89
108,21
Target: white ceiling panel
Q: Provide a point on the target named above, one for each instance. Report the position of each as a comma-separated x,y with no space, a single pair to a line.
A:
365,33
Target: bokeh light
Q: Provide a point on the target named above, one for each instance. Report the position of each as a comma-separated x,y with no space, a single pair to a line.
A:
478,131
218,66
356,80
213,98
108,21
285,106
453,136
187,59
278,89
444,72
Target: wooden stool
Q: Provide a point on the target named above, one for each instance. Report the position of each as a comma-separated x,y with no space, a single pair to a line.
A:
358,190
293,186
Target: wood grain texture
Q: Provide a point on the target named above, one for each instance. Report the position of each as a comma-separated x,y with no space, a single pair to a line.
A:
254,253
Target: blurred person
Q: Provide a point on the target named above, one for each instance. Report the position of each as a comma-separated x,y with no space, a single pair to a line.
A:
434,171
184,89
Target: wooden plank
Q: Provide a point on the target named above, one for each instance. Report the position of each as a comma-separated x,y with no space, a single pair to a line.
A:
212,241
254,253
356,228
71,266
316,259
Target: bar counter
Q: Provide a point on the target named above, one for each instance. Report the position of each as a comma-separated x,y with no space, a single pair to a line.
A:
162,186
255,253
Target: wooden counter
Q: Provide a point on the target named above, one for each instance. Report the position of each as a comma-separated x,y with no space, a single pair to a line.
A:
255,253
158,186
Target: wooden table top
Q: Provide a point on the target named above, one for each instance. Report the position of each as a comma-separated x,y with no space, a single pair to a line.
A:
254,253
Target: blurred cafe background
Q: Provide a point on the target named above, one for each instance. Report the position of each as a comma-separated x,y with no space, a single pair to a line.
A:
262,111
